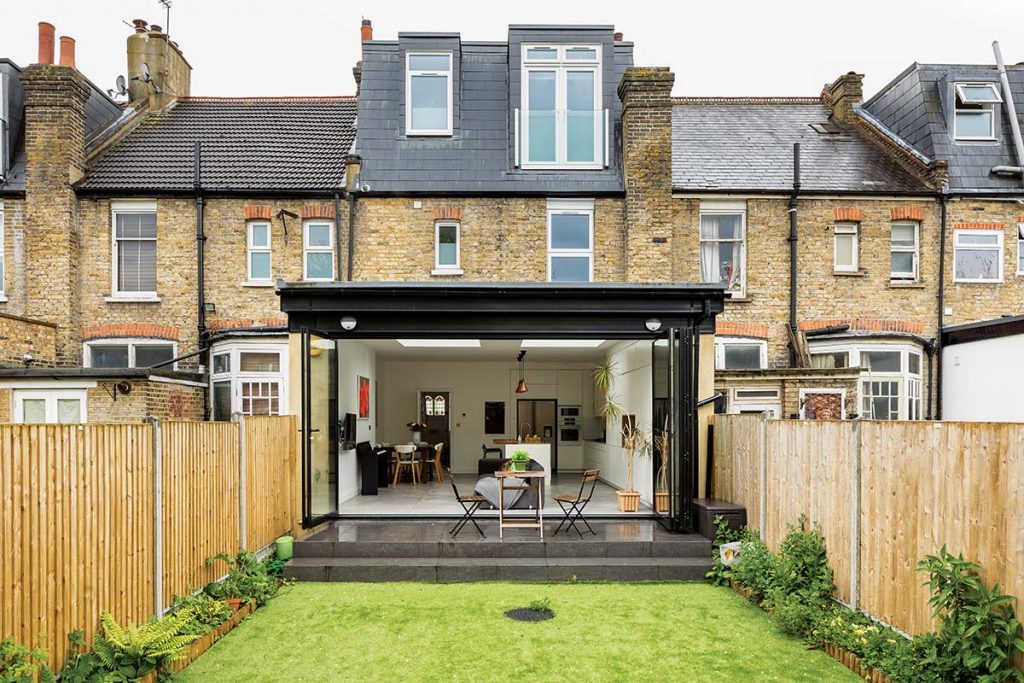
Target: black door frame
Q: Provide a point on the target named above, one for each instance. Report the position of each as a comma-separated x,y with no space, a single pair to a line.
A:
383,310
308,519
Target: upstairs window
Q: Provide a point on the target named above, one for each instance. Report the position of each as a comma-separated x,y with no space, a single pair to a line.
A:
134,257
903,248
570,241
846,255
978,256
318,250
974,115
738,353
562,123
258,251
723,246
428,93
446,249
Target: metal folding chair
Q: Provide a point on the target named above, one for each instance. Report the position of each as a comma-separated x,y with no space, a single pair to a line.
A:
572,506
470,504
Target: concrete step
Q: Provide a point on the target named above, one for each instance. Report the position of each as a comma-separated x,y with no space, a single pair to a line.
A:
453,570
682,546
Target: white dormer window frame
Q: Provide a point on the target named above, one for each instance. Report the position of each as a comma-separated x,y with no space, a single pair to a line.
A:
563,61
972,101
5,163
413,73
3,260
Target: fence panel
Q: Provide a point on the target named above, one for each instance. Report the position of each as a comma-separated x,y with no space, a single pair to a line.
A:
75,523
271,454
736,463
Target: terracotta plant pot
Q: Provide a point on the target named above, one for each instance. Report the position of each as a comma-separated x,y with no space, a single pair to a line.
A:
661,501
236,603
629,501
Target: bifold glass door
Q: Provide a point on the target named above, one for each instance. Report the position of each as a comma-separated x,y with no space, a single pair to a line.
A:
674,421
319,428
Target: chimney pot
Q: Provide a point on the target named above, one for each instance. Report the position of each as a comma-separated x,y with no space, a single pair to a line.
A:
153,28
618,36
366,30
67,51
140,25
46,34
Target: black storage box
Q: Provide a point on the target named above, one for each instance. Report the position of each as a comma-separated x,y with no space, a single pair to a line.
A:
709,508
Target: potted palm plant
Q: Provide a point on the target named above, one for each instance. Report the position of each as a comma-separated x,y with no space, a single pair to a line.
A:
636,443
604,377
661,487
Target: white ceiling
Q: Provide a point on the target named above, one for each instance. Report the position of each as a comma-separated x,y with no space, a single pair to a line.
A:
490,350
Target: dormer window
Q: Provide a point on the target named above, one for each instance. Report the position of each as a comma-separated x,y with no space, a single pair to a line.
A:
974,116
428,93
561,124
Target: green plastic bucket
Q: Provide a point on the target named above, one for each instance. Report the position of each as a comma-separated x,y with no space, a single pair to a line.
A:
283,547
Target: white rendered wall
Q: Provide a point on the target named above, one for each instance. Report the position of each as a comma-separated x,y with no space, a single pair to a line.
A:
982,380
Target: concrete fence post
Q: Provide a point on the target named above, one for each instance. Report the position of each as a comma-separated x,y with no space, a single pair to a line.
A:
855,502
762,447
158,518
241,482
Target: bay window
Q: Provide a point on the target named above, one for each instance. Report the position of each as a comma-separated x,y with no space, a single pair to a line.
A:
903,249
978,256
248,379
428,93
723,245
562,123
890,384
571,241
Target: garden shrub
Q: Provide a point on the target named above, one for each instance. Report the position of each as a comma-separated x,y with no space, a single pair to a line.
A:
21,664
82,665
795,616
204,612
132,652
803,564
247,579
758,567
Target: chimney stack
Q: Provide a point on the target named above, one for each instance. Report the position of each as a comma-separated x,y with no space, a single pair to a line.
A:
46,34
366,30
617,36
67,51
843,94
170,71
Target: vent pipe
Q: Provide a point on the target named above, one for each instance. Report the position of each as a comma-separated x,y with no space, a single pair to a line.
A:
1011,110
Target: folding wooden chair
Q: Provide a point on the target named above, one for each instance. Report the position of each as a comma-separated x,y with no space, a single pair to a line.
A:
573,506
470,504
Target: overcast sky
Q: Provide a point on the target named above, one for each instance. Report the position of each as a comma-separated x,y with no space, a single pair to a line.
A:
715,47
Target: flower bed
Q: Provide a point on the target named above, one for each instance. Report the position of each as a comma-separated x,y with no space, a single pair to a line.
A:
204,643
854,664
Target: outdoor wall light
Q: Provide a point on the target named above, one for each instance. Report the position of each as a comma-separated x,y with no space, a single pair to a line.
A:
348,323
653,324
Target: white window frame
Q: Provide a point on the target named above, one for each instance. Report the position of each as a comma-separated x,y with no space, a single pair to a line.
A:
251,249
576,207
904,377
1020,246
976,247
51,396
5,163
561,65
804,392
236,377
722,342
908,276
846,228
720,208
132,343
130,206
987,105
3,230
447,268
307,249
410,74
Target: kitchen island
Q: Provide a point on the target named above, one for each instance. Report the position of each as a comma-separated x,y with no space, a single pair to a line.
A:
541,452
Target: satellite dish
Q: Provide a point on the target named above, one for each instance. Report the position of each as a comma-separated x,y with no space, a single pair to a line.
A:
122,87
145,73
123,388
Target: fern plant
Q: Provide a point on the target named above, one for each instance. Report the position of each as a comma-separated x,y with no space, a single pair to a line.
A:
132,652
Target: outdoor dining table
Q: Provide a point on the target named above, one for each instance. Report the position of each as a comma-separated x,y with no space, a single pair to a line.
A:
531,480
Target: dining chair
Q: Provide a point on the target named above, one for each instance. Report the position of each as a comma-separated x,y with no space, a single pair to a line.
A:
573,506
436,461
470,504
405,456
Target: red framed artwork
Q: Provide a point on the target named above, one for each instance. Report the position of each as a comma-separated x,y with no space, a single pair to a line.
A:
363,387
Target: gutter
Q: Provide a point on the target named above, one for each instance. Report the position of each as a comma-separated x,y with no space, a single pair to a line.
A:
793,252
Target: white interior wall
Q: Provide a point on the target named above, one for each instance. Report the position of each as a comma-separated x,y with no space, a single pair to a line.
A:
354,359
997,398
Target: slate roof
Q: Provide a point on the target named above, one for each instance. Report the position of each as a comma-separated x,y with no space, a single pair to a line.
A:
479,158
248,145
918,106
746,144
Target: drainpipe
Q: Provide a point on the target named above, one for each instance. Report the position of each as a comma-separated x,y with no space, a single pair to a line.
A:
197,184
337,231
1011,109
351,232
941,305
792,252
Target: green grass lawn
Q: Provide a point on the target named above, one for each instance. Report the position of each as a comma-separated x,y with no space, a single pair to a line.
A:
457,632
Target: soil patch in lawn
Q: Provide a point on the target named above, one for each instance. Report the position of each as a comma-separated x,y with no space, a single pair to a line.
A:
529,614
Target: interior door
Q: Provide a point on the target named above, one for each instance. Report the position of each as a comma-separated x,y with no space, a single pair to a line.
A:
319,428
435,412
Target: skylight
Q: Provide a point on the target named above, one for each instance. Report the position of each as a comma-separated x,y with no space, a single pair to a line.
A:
562,343
978,93
440,343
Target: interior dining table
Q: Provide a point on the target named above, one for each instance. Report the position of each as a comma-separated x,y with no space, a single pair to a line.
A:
424,453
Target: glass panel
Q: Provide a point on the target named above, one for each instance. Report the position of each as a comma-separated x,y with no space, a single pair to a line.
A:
322,386
881,361
429,102
580,115
715,226
259,265
742,356
33,410
318,235
541,53
977,264
136,225
428,406
447,245
844,251
570,231
904,235
257,398
914,363
259,235
720,262
319,265
979,238
69,411
148,355
837,359
136,266
221,363
541,113
974,124
259,361
978,93
881,400
109,355
570,269
439,407
429,62
221,400
588,53
902,262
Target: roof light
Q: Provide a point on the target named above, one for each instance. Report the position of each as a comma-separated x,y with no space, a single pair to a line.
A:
440,343
978,93
561,343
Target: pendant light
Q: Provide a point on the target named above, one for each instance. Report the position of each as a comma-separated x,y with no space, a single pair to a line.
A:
521,387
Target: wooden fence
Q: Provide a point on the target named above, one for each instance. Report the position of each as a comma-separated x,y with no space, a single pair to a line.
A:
78,512
885,494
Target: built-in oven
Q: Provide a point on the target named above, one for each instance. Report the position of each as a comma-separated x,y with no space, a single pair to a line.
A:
568,434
